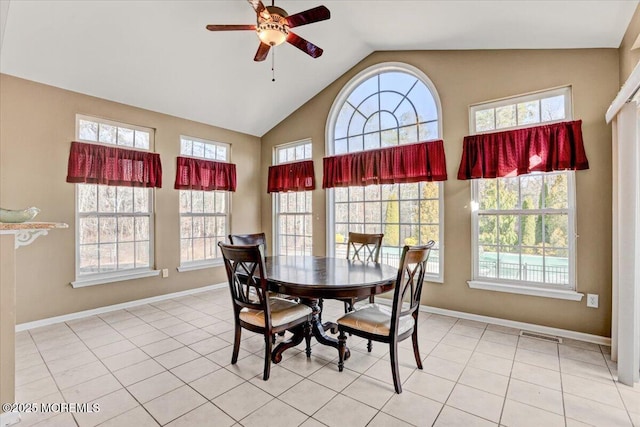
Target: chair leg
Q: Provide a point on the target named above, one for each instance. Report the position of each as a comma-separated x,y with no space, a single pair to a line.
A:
236,344
273,339
395,369
416,349
267,357
369,346
342,345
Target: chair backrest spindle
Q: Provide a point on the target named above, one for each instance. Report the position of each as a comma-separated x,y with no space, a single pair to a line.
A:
364,247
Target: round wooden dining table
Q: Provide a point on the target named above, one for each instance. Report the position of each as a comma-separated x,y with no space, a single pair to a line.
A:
312,279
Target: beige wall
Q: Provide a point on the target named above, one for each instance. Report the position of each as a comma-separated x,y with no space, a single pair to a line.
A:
463,78
629,58
37,124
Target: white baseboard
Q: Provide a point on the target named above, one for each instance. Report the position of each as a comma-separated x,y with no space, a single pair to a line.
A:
9,418
581,336
108,308
564,333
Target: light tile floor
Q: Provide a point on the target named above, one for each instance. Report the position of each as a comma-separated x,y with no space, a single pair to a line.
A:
168,363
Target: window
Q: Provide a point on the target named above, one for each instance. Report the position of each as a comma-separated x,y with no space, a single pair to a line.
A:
293,220
114,239
386,105
204,215
523,226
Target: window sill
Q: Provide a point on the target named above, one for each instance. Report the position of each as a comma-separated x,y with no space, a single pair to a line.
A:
200,266
526,290
120,277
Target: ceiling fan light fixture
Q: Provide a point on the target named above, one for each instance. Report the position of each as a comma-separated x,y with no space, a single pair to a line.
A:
272,33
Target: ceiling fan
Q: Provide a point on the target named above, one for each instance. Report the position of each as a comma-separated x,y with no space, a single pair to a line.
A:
273,25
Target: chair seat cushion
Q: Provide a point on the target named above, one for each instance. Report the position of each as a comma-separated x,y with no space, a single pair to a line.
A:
374,319
282,311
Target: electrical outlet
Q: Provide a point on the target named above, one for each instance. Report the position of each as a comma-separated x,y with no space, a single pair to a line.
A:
165,272
592,300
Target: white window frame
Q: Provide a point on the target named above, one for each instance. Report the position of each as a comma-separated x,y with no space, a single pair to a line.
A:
346,90
567,292
90,279
207,262
277,244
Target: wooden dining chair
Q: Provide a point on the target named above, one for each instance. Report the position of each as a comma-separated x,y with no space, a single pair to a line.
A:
362,247
396,323
250,239
253,309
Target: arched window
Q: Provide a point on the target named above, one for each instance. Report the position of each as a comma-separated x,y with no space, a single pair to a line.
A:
386,105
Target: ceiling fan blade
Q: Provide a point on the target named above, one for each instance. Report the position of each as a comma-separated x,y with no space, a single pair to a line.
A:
304,45
263,51
310,16
230,27
259,8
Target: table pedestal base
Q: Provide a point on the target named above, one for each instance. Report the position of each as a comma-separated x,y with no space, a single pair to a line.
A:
317,329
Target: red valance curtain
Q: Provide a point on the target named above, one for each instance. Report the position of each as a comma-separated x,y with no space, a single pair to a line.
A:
298,176
545,148
424,161
100,164
200,174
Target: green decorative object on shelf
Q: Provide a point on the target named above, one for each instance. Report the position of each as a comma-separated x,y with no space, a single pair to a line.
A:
18,216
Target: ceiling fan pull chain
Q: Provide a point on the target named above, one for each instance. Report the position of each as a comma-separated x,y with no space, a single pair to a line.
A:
273,65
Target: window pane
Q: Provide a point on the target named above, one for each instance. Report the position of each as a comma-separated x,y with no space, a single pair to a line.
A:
186,147
406,113
186,254
106,198
372,124
531,191
365,89
389,138
125,137
185,201
553,108
372,192
222,153
107,133
389,101
342,123
528,112
209,151
372,141
141,199
126,255
88,258
422,99
528,230
107,229
108,257
428,131
197,201
508,226
142,228
88,130
142,139
142,254
125,229
485,120
369,106
198,149
409,191
88,230
429,212
87,198
409,134
508,193
356,125
209,202
556,191
487,230
124,199
557,231
509,263
505,116
488,194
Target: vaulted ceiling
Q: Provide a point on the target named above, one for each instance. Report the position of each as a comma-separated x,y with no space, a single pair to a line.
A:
158,55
